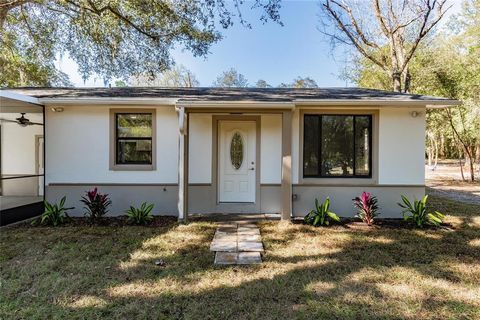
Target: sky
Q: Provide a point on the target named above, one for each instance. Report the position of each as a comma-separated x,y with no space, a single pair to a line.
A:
268,51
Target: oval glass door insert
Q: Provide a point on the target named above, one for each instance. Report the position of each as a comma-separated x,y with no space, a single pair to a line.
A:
236,150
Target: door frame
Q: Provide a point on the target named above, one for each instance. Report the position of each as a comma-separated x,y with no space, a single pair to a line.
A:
231,206
37,160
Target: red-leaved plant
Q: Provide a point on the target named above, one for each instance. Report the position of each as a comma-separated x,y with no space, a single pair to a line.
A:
367,208
96,204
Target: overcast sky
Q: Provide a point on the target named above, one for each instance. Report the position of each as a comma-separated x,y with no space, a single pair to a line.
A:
267,51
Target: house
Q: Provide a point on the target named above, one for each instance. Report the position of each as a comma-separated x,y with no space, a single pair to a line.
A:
213,150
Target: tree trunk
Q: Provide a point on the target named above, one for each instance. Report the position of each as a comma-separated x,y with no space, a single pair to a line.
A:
477,153
442,146
406,80
3,17
472,164
463,144
461,168
397,81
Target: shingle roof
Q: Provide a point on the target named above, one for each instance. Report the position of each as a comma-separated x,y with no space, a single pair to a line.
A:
228,94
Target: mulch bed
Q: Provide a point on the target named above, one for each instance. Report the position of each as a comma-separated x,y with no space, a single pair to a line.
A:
121,221
353,223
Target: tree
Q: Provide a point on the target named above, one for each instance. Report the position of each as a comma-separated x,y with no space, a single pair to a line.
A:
449,67
388,33
178,76
262,84
300,82
231,79
111,38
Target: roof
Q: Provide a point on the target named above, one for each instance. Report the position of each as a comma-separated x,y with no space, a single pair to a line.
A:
229,95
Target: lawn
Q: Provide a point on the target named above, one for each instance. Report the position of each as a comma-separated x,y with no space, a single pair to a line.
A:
344,272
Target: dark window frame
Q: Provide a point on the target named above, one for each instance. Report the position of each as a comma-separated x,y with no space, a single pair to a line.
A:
118,139
319,148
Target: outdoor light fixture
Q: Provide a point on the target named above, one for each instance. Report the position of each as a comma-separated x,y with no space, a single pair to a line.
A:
415,114
57,109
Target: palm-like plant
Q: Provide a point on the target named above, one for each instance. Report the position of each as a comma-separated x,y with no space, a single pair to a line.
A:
55,214
321,215
418,214
140,215
367,208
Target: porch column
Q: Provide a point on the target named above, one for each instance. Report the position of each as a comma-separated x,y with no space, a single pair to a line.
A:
286,187
182,203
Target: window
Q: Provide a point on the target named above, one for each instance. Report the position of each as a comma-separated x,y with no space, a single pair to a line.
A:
236,150
133,142
337,146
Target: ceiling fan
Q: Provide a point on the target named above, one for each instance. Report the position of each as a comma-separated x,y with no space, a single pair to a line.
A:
22,121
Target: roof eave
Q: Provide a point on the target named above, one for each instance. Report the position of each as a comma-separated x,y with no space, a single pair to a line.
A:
247,104
9,95
108,101
361,102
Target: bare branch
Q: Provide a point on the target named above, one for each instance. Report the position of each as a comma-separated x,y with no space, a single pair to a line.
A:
355,24
425,28
351,36
381,19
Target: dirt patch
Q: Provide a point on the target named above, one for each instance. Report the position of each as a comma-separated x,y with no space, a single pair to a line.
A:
445,181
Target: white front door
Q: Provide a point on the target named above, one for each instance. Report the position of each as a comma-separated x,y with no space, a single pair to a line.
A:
236,159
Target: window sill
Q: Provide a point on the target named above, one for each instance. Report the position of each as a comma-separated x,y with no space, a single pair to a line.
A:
338,181
132,167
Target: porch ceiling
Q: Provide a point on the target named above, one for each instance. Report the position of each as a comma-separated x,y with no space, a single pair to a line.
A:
16,103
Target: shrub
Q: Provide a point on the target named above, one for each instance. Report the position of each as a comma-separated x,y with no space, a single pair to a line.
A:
140,215
96,204
321,215
55,214
367,208
418,214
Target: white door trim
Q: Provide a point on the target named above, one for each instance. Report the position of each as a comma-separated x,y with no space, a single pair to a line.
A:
237,184
234,207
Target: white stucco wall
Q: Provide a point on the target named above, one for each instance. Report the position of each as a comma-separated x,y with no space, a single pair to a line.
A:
271,149
18,144
401,146
77,147
200,148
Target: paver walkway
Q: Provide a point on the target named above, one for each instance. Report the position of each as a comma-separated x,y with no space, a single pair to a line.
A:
237,243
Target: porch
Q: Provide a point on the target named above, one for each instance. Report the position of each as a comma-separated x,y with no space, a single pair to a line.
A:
22,157
235,161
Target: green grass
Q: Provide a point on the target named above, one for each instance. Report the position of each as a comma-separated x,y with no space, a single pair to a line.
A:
344,272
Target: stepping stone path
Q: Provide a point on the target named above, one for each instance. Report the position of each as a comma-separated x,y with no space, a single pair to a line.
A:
237,243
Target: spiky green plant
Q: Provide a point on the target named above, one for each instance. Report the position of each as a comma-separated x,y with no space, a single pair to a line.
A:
418,214
55,214
140,215
321,215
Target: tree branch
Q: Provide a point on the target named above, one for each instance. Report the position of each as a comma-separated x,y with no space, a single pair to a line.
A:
425,28
98,11
352,38
381,19
355,24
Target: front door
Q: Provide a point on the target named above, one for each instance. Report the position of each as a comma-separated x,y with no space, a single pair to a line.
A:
236,161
